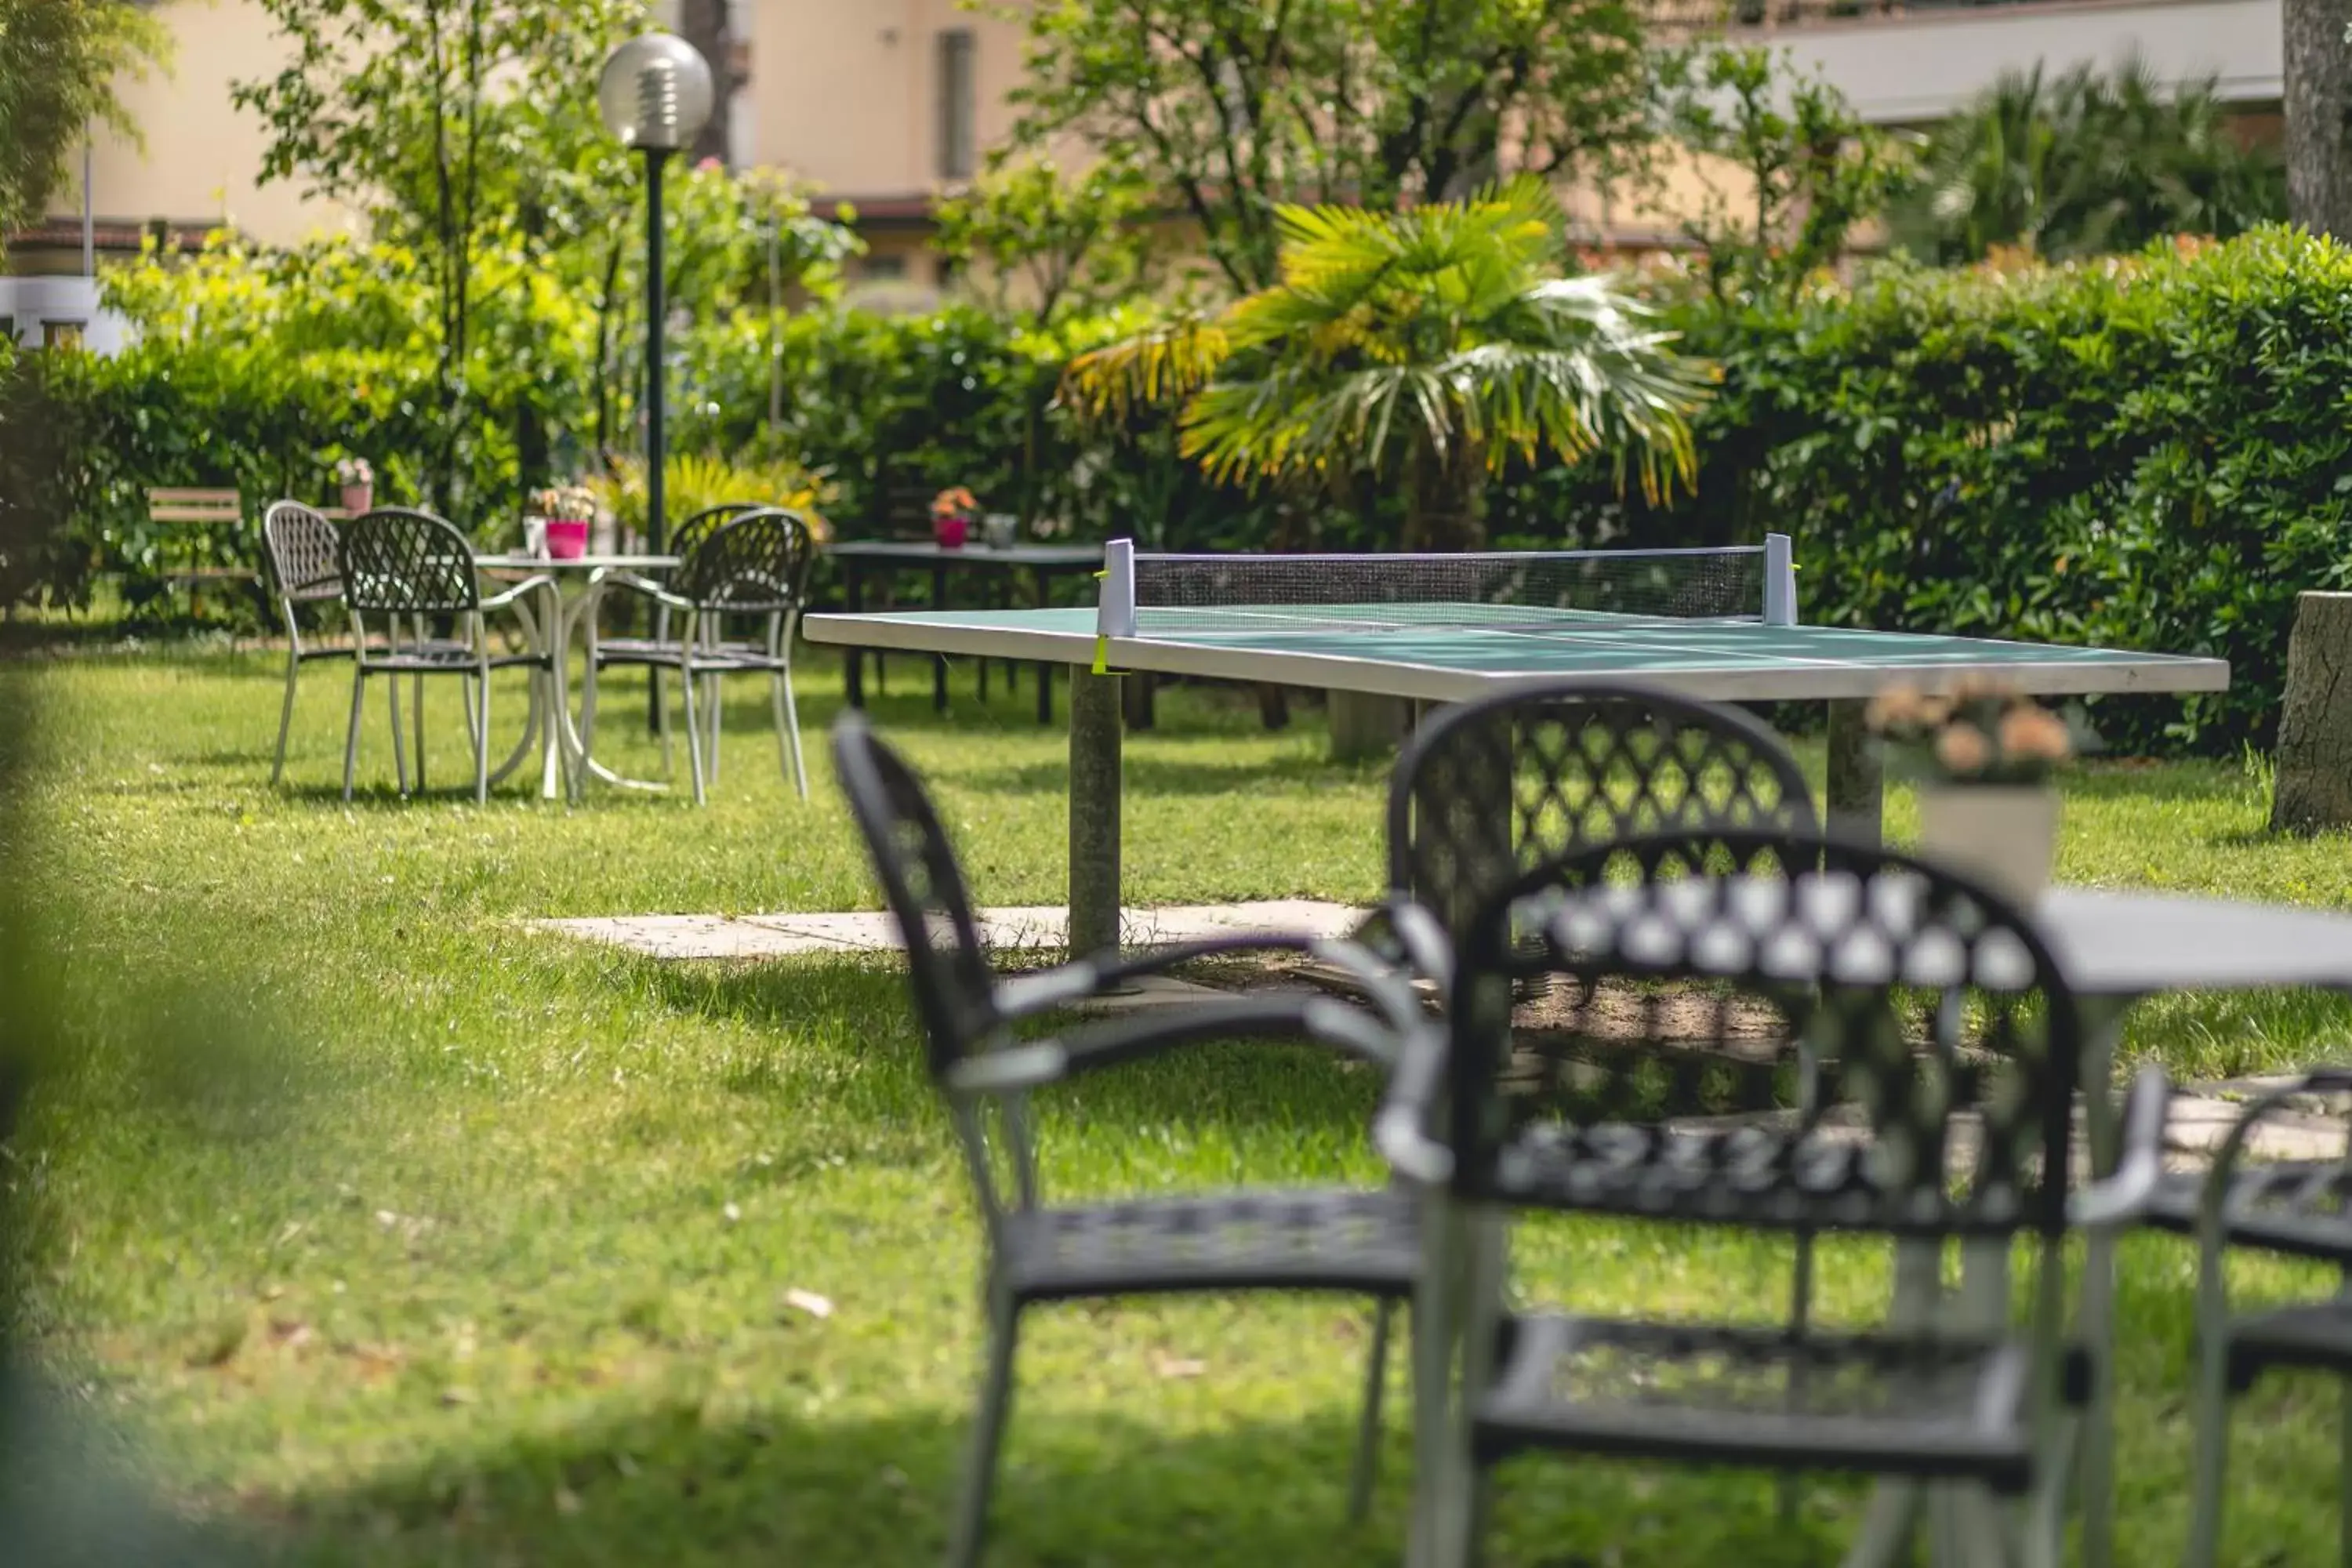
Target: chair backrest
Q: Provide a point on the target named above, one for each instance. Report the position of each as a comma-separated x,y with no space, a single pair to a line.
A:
299,545
953,981
1946,1043
757,563
170,505
697,525
1490,788
399,561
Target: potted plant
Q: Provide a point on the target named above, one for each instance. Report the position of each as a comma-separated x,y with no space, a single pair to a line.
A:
954,511
357,481
1985,759
569,510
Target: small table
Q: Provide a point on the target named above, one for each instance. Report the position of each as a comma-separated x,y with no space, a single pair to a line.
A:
1042,562
572,578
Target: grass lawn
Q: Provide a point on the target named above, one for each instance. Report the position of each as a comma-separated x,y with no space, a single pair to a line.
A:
395,1232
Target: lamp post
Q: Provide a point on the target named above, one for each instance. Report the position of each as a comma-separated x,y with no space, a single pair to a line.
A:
654,95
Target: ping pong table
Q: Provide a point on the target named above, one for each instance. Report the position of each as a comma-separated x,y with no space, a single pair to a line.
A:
1719,625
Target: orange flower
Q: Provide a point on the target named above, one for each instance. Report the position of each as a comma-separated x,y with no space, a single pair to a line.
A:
1963,750
2029,733
1894,710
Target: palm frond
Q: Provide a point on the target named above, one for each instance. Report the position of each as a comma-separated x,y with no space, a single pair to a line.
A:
1164,363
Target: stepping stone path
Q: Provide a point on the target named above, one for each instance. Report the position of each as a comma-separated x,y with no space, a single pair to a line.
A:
2202,1113
1043,928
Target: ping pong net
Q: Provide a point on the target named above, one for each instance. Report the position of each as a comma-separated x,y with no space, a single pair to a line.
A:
1146,595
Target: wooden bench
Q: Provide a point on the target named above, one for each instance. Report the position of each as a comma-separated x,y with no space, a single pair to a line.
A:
197,510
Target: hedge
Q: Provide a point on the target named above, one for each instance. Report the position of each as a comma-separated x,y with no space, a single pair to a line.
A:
2148,452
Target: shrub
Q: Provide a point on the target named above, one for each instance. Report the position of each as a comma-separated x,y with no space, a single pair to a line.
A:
2137,453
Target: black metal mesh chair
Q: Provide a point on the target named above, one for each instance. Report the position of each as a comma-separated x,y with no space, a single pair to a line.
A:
401,566
299,544
2291,1209
1488,789
1948,1052
753,566
1349,1240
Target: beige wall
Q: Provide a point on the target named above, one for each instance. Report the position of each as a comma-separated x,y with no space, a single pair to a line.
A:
846,94
203,154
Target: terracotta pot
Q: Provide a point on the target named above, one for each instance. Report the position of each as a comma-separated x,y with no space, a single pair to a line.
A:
358,499
2003,835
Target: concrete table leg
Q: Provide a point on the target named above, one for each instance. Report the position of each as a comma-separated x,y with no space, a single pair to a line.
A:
1857,792
1094,812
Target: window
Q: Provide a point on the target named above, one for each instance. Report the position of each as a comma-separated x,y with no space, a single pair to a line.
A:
61,334
957,138
883,268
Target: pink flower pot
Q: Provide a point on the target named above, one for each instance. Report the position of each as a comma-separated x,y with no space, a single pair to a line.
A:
950,531
567,539
358,499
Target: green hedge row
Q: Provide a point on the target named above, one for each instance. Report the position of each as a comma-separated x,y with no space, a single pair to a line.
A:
2148,452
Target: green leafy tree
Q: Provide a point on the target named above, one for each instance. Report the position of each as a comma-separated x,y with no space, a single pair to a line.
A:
2085,163
1232,108
1028,237
59,63
1807,169
1431,348
453,123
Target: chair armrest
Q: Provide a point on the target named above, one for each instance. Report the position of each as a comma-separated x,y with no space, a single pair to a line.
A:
1401,1127
1025,996
1324,1020
537,583
1427,948
2212,1219
621,578
2124,1196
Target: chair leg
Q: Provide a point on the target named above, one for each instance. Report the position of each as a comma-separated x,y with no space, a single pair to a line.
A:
352,732
711,709
481,728
971,1528
2209,1436
693,734
1800,1294
399,732
286,713
1367,1435
2344,1472
788,730
417,718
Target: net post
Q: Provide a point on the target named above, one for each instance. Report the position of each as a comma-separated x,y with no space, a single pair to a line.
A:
1779,581
1115,608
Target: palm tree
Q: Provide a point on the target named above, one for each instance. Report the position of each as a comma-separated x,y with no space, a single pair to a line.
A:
2085,164
1429,347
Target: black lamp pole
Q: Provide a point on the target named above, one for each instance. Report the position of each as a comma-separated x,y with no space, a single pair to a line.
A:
656,529
657,378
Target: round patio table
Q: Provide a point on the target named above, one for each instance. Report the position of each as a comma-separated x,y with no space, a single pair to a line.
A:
574,576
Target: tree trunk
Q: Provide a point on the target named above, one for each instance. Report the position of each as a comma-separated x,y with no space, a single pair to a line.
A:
2318,96
703,24
2313,789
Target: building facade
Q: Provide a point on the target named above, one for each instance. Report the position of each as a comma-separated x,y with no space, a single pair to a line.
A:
880,103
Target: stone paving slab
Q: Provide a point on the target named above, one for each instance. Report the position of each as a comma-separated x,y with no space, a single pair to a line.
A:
1043,927
2203,1114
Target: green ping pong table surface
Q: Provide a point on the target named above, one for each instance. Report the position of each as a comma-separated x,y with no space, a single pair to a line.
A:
1444,653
